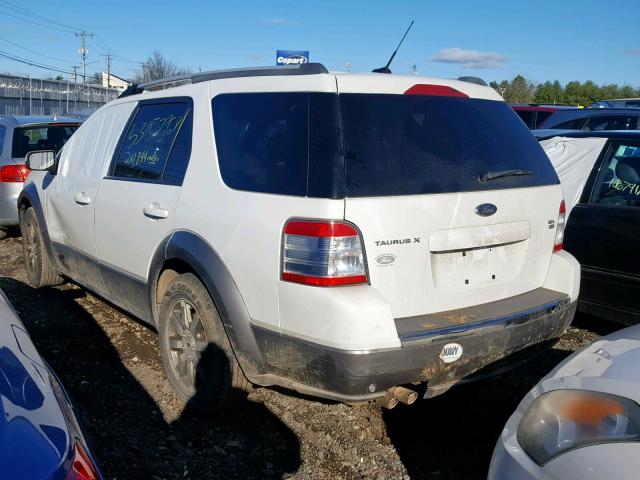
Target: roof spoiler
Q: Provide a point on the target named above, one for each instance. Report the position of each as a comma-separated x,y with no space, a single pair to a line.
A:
284,70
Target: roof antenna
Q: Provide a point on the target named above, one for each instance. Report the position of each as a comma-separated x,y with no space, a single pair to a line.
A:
385,69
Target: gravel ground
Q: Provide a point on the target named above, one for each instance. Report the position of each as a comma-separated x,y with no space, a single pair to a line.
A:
110,365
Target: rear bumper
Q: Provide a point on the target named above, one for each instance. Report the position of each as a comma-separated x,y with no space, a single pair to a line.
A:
9,193
353,376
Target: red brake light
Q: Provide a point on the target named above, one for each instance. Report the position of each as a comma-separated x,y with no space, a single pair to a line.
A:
82,467
322,253
562,218
435,90
320,229
13,173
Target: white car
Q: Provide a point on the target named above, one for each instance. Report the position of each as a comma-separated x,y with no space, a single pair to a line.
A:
347,236
582,421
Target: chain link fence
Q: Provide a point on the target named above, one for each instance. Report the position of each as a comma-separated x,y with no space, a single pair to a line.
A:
31,96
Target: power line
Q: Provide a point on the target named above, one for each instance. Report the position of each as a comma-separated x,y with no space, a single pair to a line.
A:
16,58
65,61
98,47
24,11
33,64
110,50
104,44
20,13
36,23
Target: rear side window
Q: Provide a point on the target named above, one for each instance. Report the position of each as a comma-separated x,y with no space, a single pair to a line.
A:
618,182
285,143
157,143
40,137
610,122
575,124
415,144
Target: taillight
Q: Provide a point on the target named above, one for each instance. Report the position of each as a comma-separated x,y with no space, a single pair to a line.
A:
82,467
13,173
562,218
322,253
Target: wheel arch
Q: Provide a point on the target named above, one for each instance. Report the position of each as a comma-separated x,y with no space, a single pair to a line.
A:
29,198
185,251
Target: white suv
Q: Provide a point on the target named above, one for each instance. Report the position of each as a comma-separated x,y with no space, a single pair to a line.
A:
349,236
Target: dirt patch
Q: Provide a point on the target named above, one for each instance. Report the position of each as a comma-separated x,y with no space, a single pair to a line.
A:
110,365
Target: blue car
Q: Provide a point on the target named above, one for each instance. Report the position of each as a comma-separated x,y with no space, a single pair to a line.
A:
39,434
593,119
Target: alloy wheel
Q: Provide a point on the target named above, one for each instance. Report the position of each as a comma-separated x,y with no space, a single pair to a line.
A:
187,340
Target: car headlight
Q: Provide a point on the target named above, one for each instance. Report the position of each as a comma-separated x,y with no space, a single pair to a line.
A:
563,420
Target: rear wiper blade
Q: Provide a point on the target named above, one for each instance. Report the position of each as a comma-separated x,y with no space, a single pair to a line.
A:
485,177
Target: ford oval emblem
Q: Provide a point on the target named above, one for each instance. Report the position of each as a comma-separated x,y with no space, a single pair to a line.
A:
386,259
486,209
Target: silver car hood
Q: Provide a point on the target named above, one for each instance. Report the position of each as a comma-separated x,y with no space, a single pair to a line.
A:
608,365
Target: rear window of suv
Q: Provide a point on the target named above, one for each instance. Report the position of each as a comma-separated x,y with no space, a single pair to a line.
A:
415,144
329,145
40,137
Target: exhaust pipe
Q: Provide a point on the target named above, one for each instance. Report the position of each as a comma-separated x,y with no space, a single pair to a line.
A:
403,394
388,401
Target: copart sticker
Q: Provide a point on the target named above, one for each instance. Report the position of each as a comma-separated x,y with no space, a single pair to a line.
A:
451,352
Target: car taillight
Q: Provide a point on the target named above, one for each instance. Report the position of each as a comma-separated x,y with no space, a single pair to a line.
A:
322,253
82,467
13,173
562,217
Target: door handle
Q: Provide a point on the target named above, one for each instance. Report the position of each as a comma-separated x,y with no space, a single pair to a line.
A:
82,198
155,211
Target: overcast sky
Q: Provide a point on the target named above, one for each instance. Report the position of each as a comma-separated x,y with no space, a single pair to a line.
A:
543,40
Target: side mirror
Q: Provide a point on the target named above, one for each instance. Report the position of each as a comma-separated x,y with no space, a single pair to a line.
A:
40,160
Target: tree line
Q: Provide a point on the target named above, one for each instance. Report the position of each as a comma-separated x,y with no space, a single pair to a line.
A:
521,90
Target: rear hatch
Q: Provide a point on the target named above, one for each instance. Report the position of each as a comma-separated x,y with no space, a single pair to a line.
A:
455,199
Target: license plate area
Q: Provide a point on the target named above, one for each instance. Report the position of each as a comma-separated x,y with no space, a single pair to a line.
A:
472,268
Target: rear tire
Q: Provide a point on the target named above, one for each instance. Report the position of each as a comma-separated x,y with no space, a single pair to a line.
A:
197,356
38,265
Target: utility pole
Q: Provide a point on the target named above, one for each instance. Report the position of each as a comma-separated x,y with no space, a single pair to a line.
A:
108,57
83,51
75,74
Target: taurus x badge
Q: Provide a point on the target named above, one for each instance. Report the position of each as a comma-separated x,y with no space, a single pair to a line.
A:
486,209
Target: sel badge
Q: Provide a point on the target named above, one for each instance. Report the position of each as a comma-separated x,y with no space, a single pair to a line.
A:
451,352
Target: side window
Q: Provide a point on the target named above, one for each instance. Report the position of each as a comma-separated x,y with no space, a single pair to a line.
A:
570,125
2,133
609,122
618,182
262,141
180,154
147,148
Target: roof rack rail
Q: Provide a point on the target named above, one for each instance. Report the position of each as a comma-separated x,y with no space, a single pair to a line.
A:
304,69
